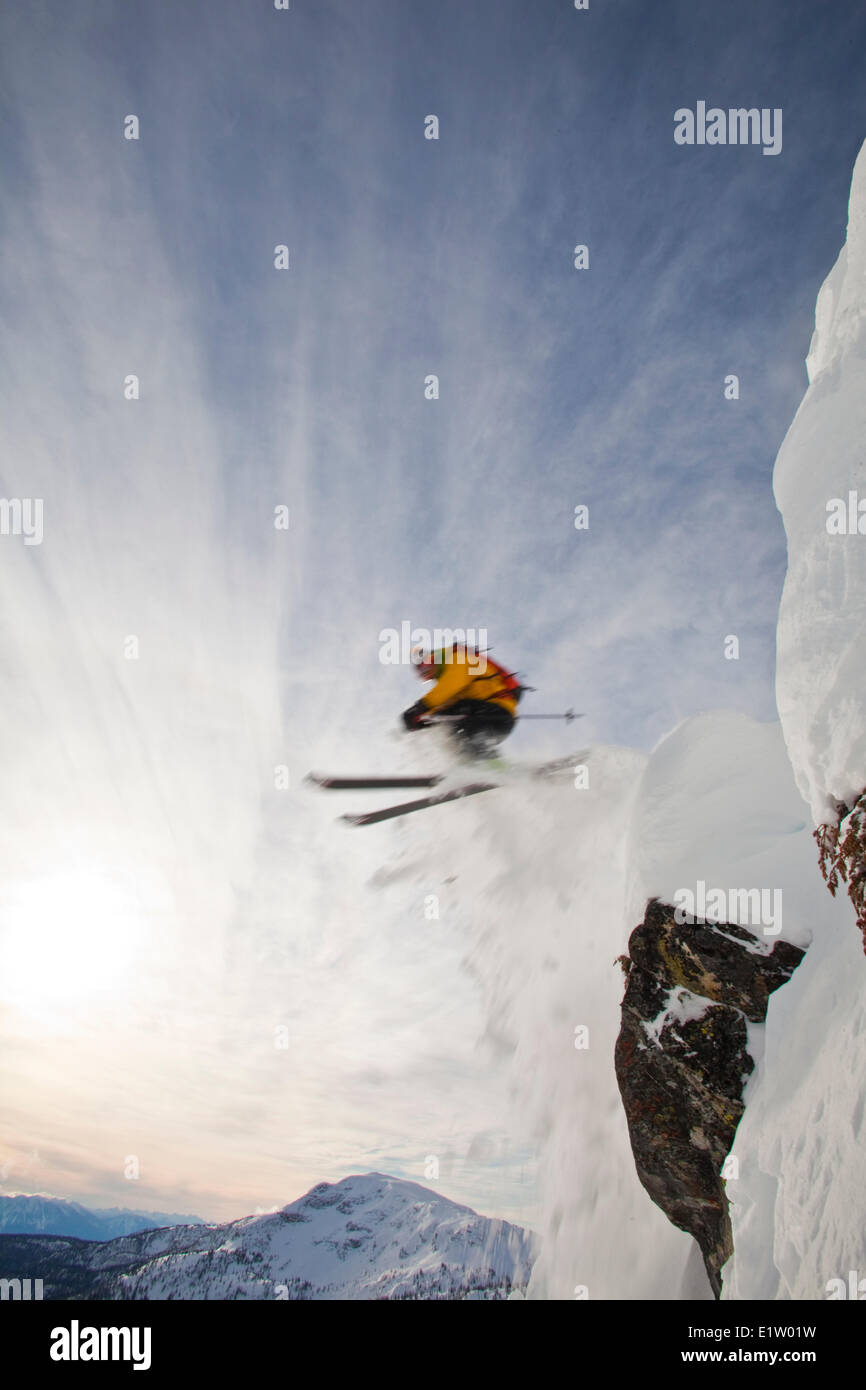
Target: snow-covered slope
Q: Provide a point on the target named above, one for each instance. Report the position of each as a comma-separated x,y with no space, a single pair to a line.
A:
36,1214
367,1237
797,1209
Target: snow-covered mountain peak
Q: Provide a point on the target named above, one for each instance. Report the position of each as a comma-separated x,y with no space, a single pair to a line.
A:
366,1237
380,1194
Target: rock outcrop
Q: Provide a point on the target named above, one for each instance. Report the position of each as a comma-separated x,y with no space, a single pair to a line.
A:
682,1060
842,855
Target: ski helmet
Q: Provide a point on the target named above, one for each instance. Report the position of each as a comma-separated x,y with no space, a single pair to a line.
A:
423,662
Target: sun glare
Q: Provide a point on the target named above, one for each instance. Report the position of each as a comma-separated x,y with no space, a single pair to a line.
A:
67,939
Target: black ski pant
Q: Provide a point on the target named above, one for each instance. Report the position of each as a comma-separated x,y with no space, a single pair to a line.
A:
478,726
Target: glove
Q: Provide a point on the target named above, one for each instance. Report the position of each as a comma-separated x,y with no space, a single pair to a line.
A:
414,717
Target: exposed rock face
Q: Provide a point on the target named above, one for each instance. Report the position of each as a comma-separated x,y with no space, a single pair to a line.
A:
842,855
682,1061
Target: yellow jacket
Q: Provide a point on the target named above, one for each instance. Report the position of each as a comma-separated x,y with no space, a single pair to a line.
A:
469,675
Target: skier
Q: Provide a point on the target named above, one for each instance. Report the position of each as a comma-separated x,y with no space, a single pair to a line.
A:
478,697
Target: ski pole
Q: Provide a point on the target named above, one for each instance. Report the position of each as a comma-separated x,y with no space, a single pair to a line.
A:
568,716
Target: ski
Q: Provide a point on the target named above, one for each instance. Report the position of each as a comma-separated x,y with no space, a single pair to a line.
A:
338,783
352,784
407,807
559,765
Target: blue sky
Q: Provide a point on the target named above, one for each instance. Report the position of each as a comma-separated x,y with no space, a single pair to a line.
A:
411,256
557,387
408,257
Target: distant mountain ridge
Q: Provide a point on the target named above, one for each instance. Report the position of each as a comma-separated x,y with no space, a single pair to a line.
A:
38,1214
367,1237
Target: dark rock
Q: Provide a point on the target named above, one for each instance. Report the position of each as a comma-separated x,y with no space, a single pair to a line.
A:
682,1061
842,855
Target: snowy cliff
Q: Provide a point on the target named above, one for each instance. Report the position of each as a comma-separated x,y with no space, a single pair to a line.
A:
720,831
682,1060
550,881
798,1207
820,486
